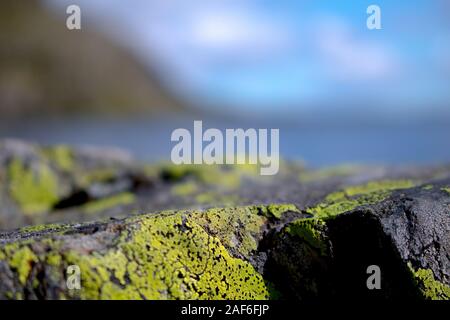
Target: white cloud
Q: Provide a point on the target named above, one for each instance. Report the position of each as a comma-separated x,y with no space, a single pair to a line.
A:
349,56
237,32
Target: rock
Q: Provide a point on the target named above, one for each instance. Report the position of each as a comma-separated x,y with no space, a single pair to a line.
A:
173,254
43,184
404,233
213,232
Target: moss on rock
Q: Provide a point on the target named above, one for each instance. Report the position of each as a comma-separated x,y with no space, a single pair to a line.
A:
352,197
239,229
429,286
41,228
85,179
185,189
277,210
170,255
34,191
20,259
224,176
108,202
311,231
229,251
61,155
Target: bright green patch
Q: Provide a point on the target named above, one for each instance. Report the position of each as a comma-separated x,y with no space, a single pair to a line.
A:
184,189
429,286
54,259
224,176
277,210
427,187
447,189
238,228
170,255
378,186
42,227
98,175
355,196
207,198
176,255
109,202
311,231
21,260
62,155
34,192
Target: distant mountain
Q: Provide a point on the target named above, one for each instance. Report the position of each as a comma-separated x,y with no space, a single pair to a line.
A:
47,69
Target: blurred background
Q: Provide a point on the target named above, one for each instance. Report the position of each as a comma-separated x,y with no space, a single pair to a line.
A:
137,70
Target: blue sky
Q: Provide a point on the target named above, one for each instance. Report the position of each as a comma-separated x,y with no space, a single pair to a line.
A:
284,55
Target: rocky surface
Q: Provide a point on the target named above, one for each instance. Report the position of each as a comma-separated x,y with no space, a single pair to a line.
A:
140,231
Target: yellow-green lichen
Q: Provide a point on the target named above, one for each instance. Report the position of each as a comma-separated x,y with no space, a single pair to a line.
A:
277,210
237,228
184,189
447,189
431,288
355,196
168,256
309,230
21,261
54,259
97,175
379,186
62,156
41,227
35,191
109,202
207,198
223,176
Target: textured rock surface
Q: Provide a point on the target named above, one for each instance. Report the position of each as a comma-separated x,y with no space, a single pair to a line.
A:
141,231
407,235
